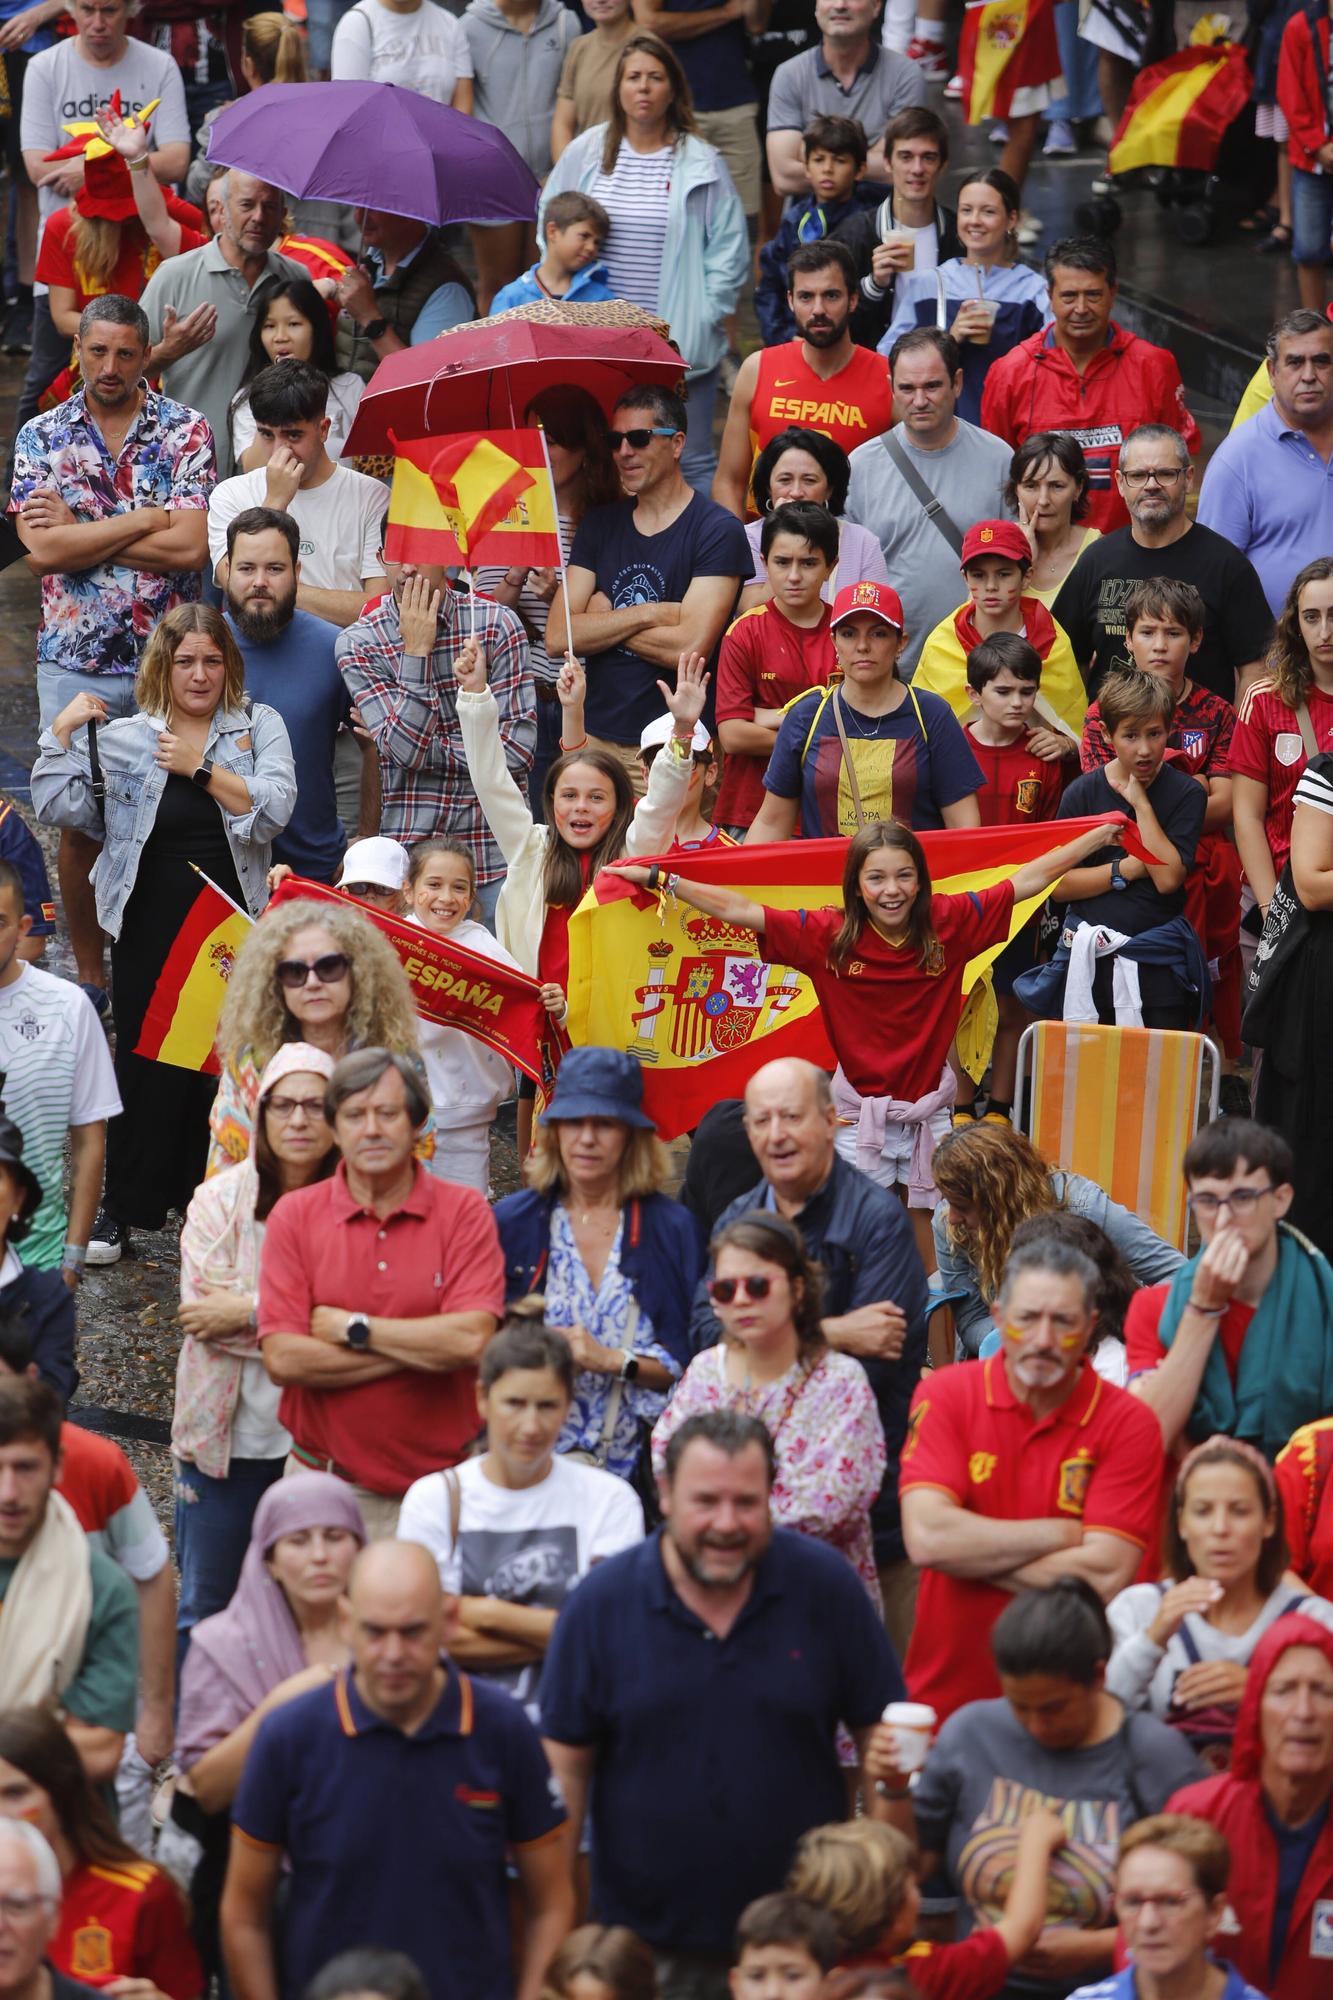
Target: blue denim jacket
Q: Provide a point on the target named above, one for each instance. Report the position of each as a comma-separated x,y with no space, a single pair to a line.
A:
255,746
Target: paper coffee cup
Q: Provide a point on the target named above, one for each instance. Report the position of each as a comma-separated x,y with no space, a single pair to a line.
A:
903,239
912,1724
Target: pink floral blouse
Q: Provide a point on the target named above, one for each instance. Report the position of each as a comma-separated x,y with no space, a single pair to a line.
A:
220,1246
827,1436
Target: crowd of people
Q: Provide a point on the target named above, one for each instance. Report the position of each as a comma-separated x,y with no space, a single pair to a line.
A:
849,1553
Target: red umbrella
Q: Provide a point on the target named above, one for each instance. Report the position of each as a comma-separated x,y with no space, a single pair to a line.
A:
483,375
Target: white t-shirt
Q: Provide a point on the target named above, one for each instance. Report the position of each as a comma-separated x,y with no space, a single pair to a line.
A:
341,524
57,1073
345,393
59,87
927,242
528,1546
467,1080
426,50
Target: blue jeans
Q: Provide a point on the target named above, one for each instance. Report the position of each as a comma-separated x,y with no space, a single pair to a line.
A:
1078,61
698,461
213,1521
487,898
1311,216
549,717
57,687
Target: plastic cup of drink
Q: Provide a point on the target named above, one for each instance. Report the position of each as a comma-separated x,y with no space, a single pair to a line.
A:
988,307
912,1724
902,239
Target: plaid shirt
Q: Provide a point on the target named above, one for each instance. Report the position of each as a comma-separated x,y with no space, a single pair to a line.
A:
410,708
95,620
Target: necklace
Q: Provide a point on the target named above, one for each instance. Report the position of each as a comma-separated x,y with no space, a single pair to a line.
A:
858,720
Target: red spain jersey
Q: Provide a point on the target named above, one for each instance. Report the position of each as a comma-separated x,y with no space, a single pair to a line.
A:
765,661
974,1969
1016,786
851,407
126,1920
1095,1460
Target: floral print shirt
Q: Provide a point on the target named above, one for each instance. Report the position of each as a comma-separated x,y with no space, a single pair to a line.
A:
608,1315
95,621
826,1432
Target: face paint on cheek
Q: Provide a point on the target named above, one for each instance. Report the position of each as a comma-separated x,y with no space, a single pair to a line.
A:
1013,1332
1068,1341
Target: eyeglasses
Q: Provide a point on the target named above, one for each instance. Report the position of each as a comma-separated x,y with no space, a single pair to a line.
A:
1241,1201
1170,1904
639,440
287,1107
294,972
723,1290
22,1909
1162,474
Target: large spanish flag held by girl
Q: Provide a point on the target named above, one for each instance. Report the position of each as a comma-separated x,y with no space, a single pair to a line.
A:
1179,109
692,998
1008,58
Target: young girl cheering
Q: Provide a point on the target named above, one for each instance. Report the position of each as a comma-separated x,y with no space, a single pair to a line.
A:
591,816
887,967
468,1081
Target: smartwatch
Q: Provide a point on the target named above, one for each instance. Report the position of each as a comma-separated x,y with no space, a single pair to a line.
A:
1117,879
375,328
203,774
629,1367
357,1336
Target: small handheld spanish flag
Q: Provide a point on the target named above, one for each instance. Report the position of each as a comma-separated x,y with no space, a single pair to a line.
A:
1008,51
481,497
181,1023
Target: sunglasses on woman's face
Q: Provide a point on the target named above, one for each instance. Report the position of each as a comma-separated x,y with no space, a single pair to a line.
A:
295,972
723,1290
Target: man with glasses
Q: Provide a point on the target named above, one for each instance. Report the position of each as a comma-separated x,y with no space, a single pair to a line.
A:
1269,486
1154,478
378,1290
650,577
1240,1342
1086,376
31,1892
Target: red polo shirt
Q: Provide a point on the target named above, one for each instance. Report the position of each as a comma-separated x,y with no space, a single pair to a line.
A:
438,1253
1096,1460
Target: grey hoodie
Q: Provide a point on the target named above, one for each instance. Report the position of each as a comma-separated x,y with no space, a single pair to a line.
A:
517,74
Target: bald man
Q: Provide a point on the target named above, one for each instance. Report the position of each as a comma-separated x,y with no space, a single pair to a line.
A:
394,1794
874,1283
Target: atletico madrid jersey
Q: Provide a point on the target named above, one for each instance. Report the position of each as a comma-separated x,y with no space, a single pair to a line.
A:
1096,1460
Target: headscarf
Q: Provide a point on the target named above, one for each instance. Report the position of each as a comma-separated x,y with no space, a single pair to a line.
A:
254,1643
292,1059
1247,1748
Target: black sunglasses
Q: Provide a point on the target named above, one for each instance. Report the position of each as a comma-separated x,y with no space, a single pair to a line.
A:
639,440
294,972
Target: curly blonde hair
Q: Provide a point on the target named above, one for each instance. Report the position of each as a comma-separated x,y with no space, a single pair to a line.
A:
152,684
255,1019
643,1166
1001,1174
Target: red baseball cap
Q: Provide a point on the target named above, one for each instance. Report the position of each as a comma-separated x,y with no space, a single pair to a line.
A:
996,538
877,598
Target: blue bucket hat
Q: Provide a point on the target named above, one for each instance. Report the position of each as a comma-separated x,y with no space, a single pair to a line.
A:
598,1083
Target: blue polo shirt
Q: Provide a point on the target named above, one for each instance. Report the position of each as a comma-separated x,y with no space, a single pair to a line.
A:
1268,491
713,1755
399,1840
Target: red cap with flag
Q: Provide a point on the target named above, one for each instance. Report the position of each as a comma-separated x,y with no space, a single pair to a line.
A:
879,599
996,538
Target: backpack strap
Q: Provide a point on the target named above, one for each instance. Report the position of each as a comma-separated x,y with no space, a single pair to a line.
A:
1303,723
820,706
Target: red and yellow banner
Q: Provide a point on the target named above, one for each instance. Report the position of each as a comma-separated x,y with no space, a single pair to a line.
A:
482,997
1007,46
483,497
1179,109
181,1023
692,998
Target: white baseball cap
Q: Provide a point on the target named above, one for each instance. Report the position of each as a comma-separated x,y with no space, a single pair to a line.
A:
656,734
378,860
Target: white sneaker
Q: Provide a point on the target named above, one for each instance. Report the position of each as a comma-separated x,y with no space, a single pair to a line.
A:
953,89
1060,141
999,133
1030,227
929,58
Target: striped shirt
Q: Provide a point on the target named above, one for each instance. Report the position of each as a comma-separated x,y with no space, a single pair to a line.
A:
1315,787
57,1073
637,196
532,608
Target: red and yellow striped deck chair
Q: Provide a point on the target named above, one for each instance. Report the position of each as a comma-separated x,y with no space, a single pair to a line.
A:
1120,1105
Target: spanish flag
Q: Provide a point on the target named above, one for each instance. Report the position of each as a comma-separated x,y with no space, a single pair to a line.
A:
1007,48
1179,110
86,134
1062,700
692,998
181,1023
481,497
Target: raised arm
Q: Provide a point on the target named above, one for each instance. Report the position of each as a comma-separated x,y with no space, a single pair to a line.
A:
728,904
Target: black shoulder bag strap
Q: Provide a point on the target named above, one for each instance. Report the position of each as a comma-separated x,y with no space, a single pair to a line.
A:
95,770
932,508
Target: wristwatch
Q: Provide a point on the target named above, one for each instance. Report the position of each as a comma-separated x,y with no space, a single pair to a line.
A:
373,328
629,1367
357,1336
1117,879
203,774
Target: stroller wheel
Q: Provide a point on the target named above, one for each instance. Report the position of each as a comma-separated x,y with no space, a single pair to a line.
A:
1101,216
1194,223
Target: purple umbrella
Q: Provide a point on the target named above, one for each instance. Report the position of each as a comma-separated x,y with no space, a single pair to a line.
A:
374,145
